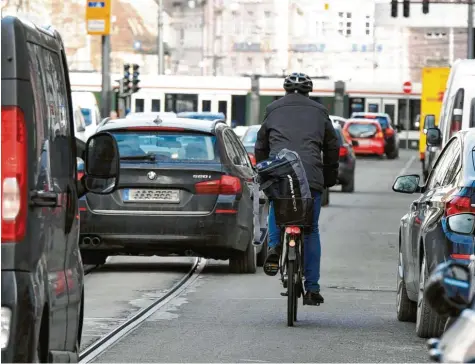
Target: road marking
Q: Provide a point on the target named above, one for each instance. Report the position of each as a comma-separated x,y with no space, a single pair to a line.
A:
407,165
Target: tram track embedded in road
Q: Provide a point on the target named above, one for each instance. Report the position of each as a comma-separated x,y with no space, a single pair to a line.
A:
101,345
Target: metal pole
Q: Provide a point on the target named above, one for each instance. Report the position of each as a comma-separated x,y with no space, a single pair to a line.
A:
407,121
215,30
106,77
161,58
203,36
470,30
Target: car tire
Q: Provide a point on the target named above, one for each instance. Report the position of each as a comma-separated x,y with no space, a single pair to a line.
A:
244,262
428,323
261,257
93,258
350,186
325,197
405,308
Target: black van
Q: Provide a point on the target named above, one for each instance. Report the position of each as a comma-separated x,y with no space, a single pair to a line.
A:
42,272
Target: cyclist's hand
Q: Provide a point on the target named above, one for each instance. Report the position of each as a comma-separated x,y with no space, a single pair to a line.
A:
330,176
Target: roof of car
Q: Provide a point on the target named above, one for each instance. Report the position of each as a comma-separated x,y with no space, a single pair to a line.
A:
370,113
204,126
363,121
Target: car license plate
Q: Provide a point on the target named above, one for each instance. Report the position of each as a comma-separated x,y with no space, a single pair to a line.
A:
364,142
155,195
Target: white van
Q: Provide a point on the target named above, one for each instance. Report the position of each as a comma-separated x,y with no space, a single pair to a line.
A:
87,102
457,112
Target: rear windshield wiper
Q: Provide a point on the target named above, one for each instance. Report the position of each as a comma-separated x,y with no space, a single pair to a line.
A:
145,157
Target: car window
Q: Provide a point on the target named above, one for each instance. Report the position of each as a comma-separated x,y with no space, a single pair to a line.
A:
340,136
456,112
168,147
245,161
382,120
454,158
362,130
251,136
87,114
436,178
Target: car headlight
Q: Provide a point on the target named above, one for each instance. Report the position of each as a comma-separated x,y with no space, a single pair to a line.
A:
6,318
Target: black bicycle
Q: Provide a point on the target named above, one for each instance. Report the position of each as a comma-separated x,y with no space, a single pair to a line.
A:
293,216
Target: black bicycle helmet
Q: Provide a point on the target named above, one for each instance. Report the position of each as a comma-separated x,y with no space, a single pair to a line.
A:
298,82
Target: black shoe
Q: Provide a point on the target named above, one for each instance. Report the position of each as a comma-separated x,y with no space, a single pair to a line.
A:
312,298
271,264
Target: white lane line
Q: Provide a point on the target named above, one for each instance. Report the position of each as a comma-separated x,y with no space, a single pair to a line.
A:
407,165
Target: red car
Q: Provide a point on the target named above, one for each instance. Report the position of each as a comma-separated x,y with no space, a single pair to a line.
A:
369,135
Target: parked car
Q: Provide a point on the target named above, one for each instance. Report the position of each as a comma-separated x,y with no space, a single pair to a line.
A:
426,235
346,171
367,134
457,111
249,141
391,138
185,189
42,273
451,292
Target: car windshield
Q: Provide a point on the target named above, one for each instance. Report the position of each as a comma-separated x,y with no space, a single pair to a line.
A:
382,120
362,130
168,147
87,113
251,136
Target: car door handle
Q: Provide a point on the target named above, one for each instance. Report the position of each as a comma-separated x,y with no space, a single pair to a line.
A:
44,199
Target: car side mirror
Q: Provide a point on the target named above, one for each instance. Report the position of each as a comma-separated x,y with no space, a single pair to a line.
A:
355,143
448,288
429,122
461,223
434,137
407,184
102,164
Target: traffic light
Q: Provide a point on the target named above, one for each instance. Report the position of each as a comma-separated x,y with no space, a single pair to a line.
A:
126,79
405,8
135,78
425,6
394,8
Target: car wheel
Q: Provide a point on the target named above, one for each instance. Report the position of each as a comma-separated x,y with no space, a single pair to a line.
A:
93,258
405,308
261,257
325,197
350,186
428,323
244,262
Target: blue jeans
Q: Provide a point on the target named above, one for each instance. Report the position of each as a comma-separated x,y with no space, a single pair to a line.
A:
312,247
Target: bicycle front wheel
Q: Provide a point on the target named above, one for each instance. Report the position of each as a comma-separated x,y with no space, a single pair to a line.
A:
292,293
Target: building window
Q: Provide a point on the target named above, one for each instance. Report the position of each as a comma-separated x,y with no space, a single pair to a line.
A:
340,15
348,15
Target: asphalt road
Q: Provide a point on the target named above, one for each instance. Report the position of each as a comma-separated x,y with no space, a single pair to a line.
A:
242,318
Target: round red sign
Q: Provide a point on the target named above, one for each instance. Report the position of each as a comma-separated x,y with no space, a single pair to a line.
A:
407,87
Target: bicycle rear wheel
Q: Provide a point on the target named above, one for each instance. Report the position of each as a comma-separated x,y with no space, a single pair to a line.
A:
292,293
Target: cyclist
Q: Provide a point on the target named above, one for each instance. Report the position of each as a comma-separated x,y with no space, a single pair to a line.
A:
302,125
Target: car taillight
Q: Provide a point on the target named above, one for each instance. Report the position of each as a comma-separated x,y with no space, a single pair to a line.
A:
389,132
227,185
80,174
379,135
14,174
343,152
457,205
252,158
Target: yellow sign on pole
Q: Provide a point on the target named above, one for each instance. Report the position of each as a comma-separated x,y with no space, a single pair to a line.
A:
98,17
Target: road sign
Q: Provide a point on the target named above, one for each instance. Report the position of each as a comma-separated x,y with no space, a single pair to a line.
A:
407,87
98,17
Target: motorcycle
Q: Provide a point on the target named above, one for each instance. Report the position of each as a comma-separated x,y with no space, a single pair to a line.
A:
450,291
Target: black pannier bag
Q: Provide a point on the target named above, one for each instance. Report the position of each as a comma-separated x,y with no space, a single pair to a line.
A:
284,181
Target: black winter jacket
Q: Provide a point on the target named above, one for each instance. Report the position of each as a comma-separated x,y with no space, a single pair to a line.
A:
302,125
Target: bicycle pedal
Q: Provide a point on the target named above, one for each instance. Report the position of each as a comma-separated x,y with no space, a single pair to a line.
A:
284,294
